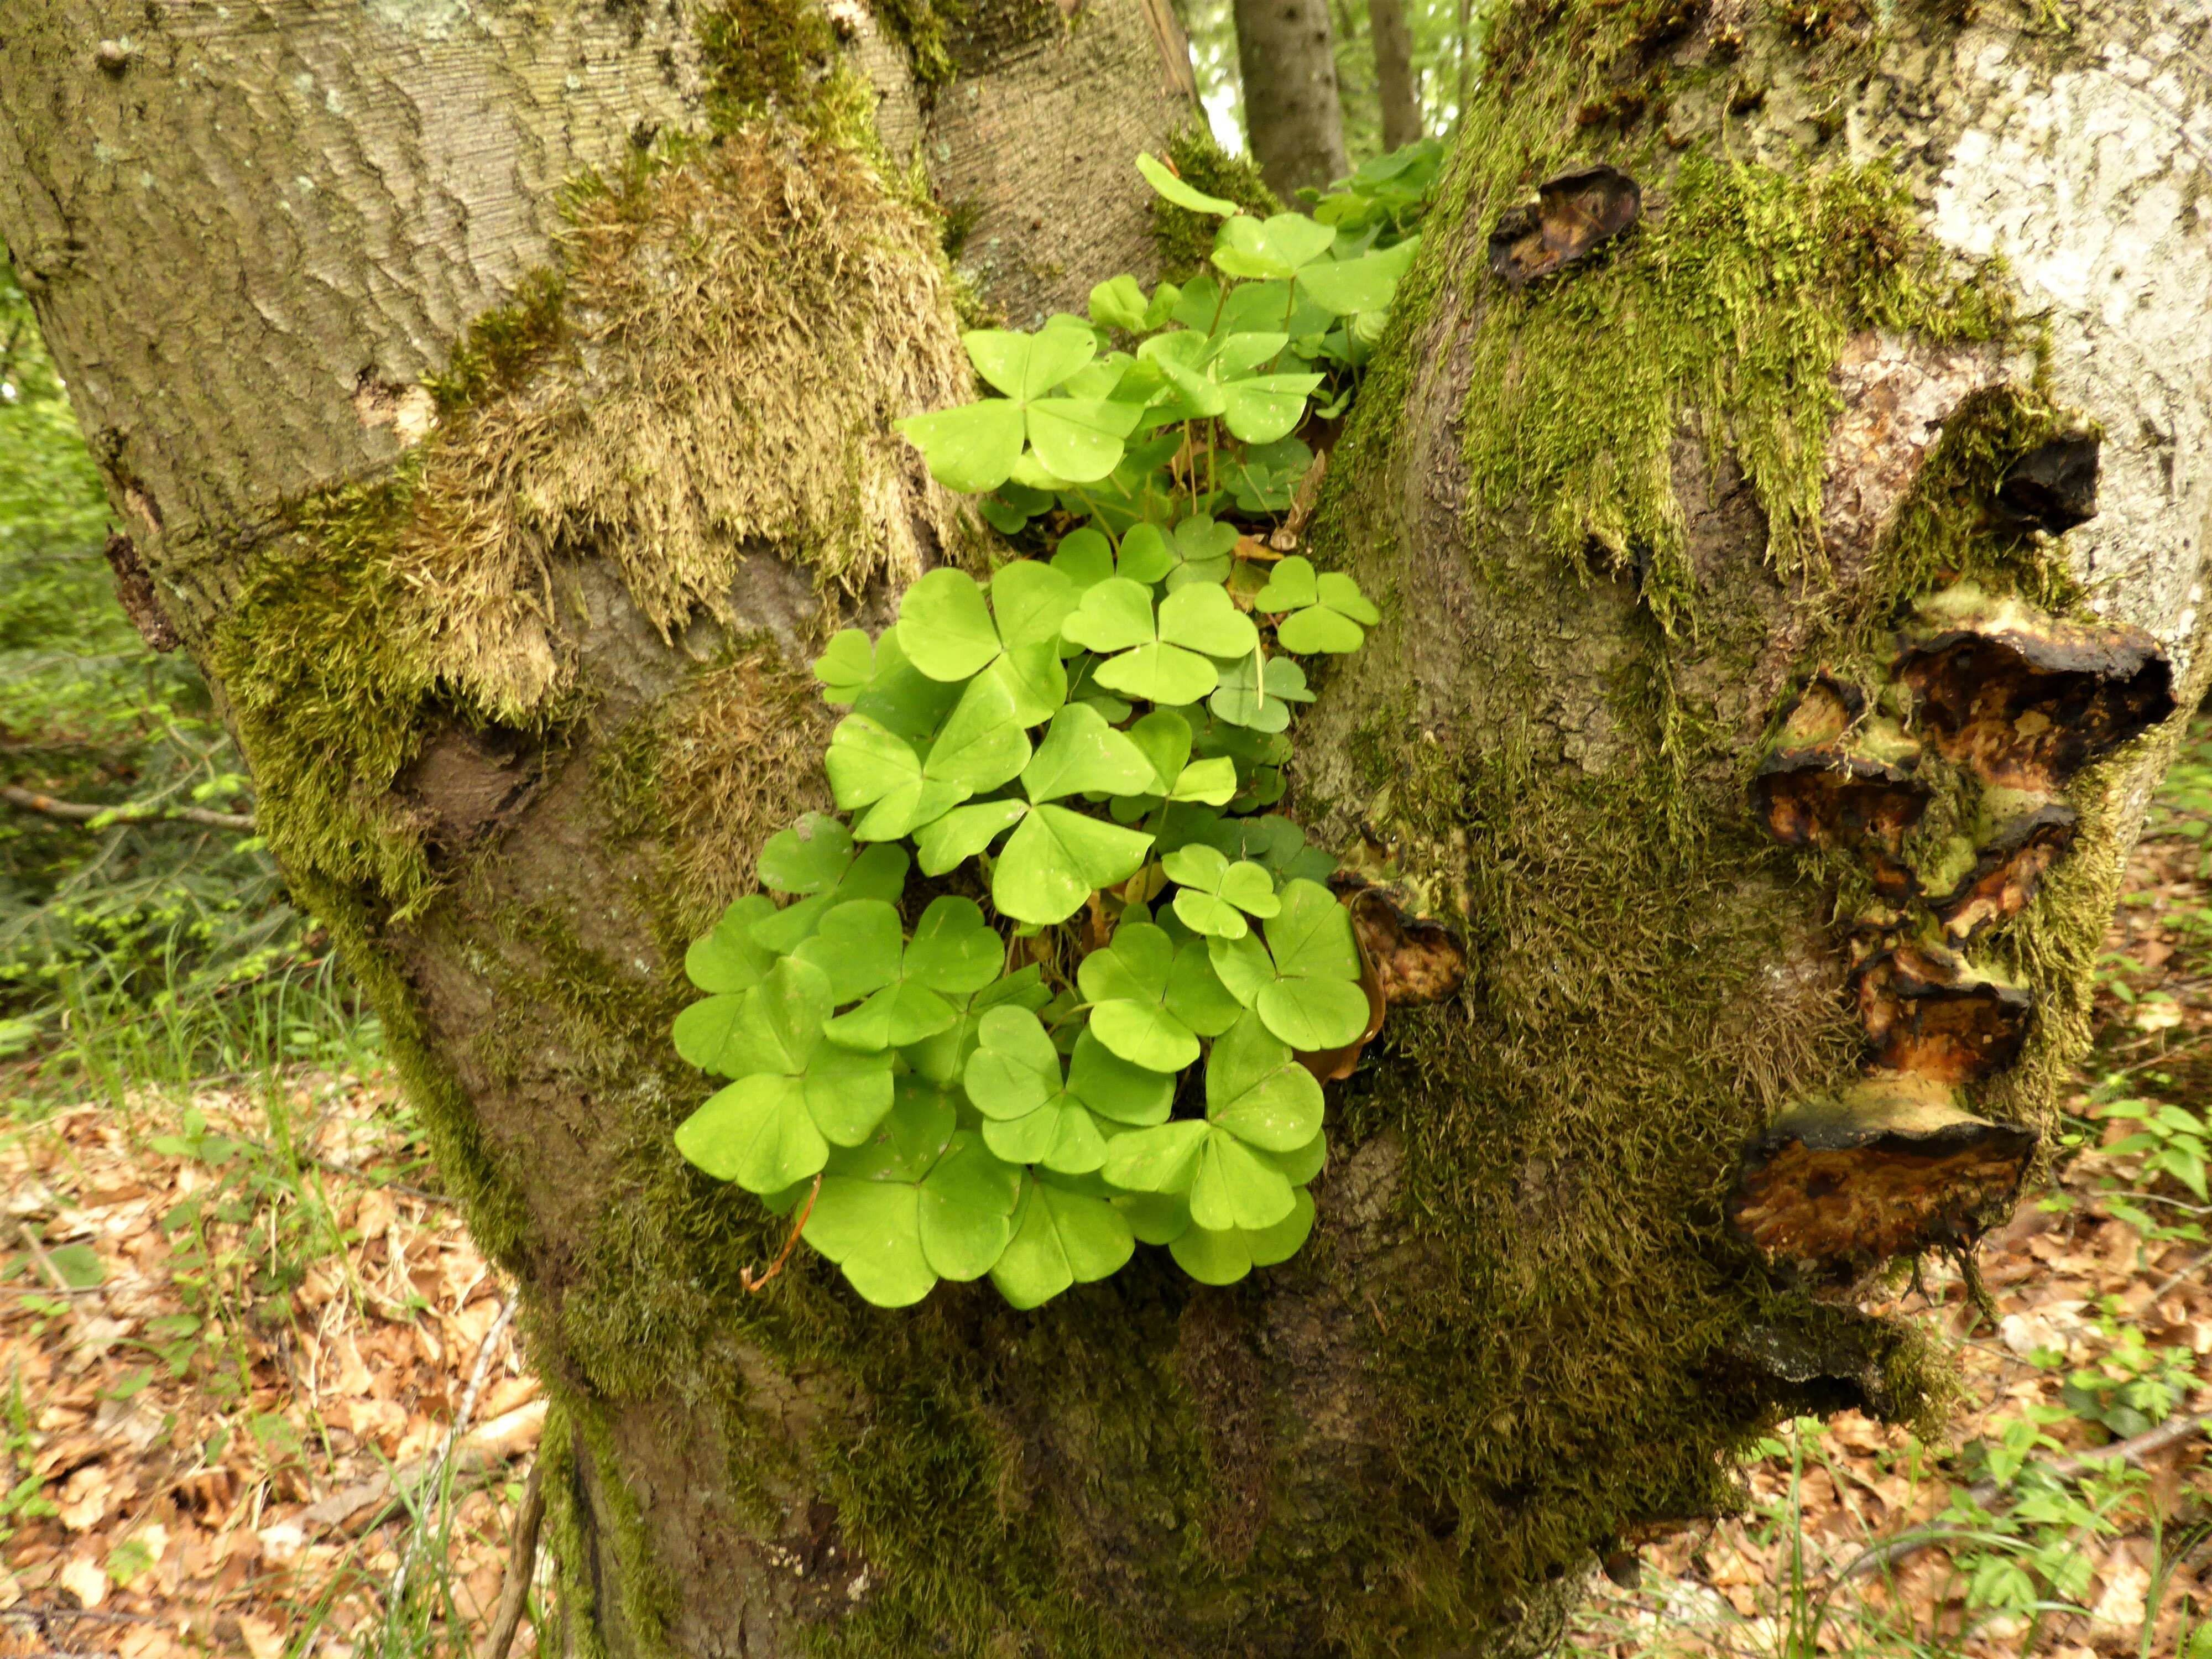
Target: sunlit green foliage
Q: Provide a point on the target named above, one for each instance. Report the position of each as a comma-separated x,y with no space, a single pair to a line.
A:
1089,738
160,917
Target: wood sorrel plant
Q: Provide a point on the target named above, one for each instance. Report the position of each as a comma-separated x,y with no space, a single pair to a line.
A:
1098,732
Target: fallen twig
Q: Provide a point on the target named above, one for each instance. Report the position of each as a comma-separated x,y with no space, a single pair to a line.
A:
76,812
497,1442
521,1567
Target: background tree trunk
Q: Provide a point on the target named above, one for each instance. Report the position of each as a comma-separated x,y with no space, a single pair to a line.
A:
1394,83
1286,57
515,653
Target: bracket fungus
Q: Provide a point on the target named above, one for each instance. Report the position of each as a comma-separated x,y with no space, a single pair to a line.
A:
2024,699
1573,215
2054,486
1838,782
1929,1011
1891,1166
2020,837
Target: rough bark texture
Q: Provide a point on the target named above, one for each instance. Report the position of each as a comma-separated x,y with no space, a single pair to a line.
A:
1616,525
1286,57
1394,82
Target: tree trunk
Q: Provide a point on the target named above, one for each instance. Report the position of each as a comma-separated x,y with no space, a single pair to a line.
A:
1746,700
1287,55
1395,84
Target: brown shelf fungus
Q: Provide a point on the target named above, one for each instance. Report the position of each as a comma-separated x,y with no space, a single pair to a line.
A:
2024,699
1890,1167
2020,837
1929,1012
1573,215
1838,782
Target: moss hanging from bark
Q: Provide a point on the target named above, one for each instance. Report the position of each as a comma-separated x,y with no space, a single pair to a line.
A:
707,381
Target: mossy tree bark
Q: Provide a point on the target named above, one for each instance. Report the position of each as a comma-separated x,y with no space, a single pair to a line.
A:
1745,700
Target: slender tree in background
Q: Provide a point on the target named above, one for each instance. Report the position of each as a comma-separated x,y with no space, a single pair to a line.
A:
1286,54
1785,483
1396,84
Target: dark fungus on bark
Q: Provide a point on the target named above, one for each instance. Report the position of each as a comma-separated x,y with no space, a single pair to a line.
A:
2054,486
2010,866
134,590
1927,1011
1574,215
2027,700
1891,1167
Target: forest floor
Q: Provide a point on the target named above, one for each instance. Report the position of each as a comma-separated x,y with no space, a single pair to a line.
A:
253,1377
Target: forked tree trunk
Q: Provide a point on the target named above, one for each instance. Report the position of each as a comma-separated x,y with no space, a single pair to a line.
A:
1749,699
1286,60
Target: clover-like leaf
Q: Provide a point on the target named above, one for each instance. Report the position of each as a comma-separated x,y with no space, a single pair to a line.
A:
1145,555
1275,247
1304,980
1082,755
877,872
1202,551
944,626
794,1092
1057,858
1085,557
1216,895
1026,366
1224,1257
872,1230
1261,408
1212,781
1060,1238
856,949
1234,1187
846,667
1015,1068
1366,284
1113,1088
1163,657
982,745
1081,440
1256,1090
1326,611
901,698
1257,690
965,831
971,448
1118,302
1164,738
895,1239
808,858
1172,187
1151,1002
1114,615
728,959
906,1145
911,991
